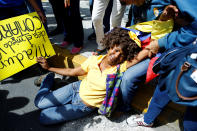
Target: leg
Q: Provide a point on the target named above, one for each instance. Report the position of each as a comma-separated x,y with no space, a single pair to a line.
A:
117,14
57,7
66,111
47,98
98,12
190,119
130,81
159,100
106,19
76,27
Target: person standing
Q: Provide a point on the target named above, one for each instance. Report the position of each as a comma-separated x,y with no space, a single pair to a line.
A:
72,23
184,33
98,13
106,19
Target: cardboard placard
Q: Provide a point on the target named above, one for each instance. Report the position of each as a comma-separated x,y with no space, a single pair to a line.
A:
22,39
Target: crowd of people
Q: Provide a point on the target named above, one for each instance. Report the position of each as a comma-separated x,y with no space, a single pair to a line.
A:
125,53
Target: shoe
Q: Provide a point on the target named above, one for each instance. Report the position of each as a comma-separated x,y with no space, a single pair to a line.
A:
98,52
38,81
137,120
75,50
56,31
64,44
92,36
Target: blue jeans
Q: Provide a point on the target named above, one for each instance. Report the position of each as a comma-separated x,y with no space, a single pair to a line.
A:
61,105
13,11
190,119
131,78
159,100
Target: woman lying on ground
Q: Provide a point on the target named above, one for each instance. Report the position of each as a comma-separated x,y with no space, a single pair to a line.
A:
80,98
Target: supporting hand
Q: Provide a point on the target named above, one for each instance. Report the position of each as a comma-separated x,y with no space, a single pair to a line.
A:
153,48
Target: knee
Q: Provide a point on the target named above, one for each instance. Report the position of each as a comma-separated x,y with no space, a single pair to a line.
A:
96,20
44,119
128,77
128,80
47,118
38,104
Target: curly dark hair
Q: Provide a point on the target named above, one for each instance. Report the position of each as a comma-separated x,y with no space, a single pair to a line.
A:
120,37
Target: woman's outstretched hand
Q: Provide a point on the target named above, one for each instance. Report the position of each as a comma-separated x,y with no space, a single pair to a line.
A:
43,62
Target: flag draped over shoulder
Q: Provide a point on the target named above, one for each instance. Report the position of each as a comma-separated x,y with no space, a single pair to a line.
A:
142,39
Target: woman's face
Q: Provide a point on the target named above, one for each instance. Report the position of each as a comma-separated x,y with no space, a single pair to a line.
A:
115,55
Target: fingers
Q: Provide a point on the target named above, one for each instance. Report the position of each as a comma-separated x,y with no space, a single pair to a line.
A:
40,60
172,10
66,3
169,12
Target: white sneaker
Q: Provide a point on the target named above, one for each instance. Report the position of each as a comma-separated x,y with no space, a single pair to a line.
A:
137,120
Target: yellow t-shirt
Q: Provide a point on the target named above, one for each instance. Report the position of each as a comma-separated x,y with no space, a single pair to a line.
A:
93,86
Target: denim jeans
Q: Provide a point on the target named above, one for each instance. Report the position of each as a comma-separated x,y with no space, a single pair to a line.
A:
159,100
190,119
9,12
61,105
131,78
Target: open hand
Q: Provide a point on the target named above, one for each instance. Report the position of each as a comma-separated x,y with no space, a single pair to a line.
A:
169,12
43,62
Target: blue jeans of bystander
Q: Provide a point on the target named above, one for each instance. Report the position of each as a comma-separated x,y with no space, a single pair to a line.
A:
190,119
159,100
131,78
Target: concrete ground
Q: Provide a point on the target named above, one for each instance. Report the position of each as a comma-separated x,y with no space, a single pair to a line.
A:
17,110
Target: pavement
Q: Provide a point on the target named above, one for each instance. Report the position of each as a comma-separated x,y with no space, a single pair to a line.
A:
17,110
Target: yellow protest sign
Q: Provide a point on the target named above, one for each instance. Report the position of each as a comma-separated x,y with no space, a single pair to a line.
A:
22,39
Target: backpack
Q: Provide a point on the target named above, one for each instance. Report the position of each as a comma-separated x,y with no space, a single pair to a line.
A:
178,74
